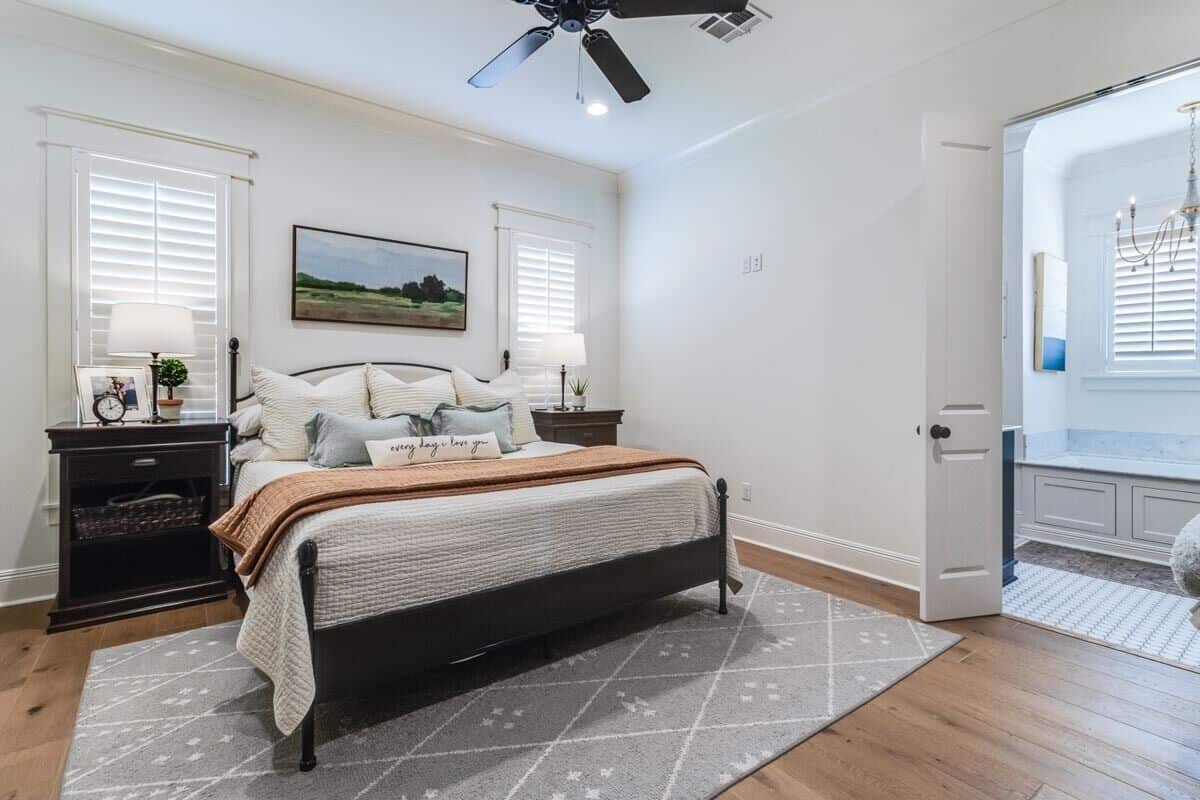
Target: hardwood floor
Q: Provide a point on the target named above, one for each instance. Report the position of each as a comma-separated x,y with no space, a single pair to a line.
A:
1012,711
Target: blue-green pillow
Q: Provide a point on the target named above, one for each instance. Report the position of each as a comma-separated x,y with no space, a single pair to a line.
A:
448,420
335,440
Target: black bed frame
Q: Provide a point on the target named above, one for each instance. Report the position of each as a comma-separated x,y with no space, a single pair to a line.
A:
355,658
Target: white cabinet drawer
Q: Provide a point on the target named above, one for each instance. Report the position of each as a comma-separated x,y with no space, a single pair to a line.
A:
1159,514
1089,506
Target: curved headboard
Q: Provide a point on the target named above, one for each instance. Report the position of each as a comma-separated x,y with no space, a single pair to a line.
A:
235,355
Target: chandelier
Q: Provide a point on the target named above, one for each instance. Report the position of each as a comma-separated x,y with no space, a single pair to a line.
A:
1169,234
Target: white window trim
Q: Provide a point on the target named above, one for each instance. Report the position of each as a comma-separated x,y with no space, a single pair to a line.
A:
68,132
513,219
1133,375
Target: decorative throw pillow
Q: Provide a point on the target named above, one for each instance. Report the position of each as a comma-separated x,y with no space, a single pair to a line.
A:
427,449
449,420
391,396
247,422
507,387
288,403
337,441
245,450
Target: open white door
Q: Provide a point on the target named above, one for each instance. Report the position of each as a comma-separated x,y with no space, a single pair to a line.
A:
960,563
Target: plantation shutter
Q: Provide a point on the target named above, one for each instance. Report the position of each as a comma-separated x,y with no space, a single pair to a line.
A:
1154,308
155,235
544,301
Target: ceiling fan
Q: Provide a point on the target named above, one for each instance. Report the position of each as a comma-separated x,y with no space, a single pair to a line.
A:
574,16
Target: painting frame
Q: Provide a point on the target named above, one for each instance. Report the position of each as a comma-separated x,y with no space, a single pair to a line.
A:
86,389
301,315
1050,313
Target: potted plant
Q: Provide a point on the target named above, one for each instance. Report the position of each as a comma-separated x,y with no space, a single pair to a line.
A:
171,373
579,387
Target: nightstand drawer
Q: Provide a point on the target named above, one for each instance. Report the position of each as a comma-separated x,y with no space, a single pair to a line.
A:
136,465
587,435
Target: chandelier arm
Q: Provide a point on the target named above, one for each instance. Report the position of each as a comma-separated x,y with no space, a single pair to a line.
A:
1174,252
1140,259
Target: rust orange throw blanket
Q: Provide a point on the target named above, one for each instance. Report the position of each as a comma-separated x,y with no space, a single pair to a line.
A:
254,526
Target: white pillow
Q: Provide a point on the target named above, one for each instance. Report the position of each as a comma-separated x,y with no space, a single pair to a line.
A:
247,422
507,387
427,449
288,403
391,396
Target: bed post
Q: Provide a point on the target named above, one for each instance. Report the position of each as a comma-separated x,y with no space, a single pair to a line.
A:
308,588
234,344
722,567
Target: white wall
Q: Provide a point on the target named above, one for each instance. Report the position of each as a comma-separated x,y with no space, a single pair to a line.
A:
324,160
1043,231
807,379
1097,185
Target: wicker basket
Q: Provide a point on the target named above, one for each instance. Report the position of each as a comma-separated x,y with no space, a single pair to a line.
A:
94,522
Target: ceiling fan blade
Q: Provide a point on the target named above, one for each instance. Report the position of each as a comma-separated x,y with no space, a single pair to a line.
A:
632,9
616,67
512,57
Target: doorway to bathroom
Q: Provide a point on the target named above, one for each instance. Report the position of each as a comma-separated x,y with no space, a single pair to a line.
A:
1102,367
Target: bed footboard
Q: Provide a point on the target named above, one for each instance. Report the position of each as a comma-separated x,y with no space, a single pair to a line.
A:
356,658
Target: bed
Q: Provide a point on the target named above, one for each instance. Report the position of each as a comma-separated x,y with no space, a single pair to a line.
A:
355,598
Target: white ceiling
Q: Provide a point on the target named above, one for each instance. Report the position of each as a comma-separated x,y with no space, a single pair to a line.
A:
1145,113
416,55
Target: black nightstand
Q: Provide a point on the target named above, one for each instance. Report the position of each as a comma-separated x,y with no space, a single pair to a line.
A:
117,561
588,428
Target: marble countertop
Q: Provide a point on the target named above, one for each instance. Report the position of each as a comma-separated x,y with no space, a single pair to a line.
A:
1169,470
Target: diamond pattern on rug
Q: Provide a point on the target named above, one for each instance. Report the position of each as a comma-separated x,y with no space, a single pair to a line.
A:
1137,619
669,700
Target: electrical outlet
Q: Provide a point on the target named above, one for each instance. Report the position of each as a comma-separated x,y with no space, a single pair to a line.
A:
746,492
756,263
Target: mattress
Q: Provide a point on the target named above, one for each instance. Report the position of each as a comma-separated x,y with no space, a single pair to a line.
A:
382,557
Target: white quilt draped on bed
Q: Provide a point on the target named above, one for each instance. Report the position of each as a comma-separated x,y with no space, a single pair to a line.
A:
383,557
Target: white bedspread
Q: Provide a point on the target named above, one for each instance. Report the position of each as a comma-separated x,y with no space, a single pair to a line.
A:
382,557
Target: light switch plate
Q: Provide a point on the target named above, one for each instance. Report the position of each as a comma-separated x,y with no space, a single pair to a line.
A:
746,264
746,492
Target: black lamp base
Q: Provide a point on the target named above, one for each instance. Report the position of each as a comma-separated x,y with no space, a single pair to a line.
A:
155,418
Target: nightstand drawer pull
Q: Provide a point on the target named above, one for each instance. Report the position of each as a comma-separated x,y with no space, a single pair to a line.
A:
142,463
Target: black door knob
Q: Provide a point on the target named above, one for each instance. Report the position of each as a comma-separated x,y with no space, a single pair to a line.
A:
939,432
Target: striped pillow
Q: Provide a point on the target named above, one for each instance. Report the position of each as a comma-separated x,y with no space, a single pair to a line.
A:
288,403
507,387
391,396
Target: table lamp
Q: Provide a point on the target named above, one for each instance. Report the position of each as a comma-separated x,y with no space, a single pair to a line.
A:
150,330
565,350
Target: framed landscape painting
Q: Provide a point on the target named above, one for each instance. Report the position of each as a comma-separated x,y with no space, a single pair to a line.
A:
344,277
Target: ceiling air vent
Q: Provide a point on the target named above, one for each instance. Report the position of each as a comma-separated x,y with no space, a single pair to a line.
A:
728,27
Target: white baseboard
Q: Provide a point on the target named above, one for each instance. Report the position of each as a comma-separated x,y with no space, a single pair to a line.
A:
28,584
1153,554
861,559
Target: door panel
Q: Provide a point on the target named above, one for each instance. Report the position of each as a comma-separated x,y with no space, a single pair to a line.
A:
961,557
1160,514
1089,506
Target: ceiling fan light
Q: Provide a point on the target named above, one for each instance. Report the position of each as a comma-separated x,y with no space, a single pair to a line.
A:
597,108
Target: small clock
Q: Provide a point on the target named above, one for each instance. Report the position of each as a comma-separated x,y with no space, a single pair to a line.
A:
108,408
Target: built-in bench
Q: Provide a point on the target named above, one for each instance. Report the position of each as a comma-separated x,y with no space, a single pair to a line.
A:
1125,494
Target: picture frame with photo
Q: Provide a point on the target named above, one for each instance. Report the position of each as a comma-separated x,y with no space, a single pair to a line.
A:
131,384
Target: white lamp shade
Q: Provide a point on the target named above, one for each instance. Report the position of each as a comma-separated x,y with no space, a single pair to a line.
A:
565,349
144,329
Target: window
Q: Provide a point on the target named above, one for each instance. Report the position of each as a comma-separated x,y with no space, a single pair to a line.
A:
148,233
1153,310
544,300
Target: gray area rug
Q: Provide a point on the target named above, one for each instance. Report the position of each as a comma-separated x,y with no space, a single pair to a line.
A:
668,700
